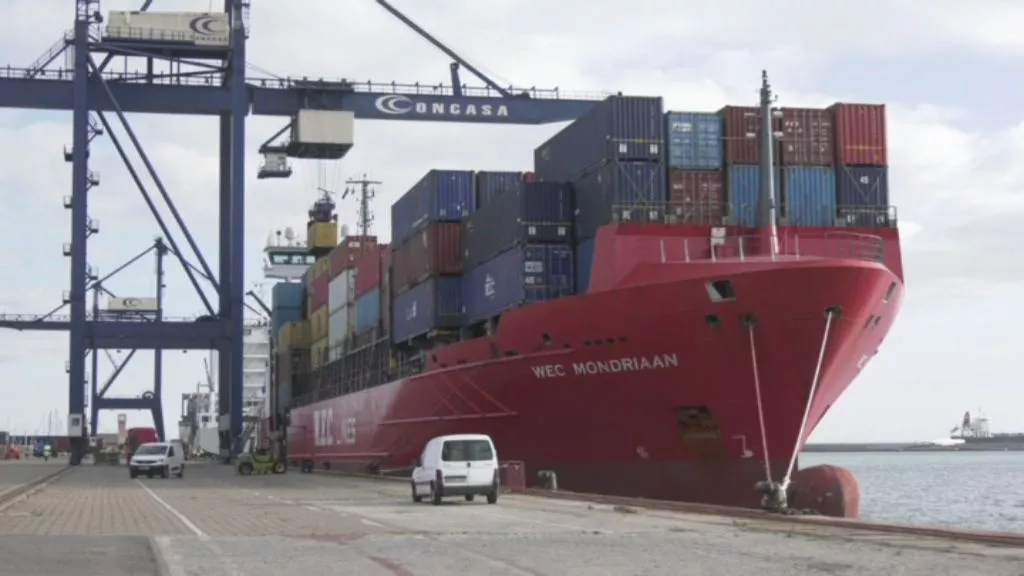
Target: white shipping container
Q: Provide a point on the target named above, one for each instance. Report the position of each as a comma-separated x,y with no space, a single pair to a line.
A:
200,28
341,290
338,329
333,127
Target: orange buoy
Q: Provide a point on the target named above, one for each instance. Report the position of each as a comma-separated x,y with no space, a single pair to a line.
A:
828,490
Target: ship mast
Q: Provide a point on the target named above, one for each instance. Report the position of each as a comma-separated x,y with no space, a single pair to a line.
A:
366,194
768,221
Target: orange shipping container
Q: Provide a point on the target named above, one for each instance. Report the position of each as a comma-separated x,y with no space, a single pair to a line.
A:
436,250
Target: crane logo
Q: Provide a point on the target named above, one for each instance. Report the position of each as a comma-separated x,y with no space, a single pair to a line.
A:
131,303
399,105
394,104
208,25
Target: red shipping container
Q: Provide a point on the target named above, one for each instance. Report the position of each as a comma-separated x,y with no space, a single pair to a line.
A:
346,253
433,251
696,196
737,123
368,269
807,137
860,134
529,177
318,292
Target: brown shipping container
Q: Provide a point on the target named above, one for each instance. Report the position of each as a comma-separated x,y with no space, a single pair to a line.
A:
433,251
344,256
318,293
807,137
860,134
737,122
368,269
696,197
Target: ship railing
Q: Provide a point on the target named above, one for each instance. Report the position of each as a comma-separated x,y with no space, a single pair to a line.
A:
832,245
718,213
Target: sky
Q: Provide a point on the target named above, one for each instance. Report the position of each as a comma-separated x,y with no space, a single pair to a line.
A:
947,70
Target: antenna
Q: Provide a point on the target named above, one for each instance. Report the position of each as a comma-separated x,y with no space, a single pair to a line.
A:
366,194
769,195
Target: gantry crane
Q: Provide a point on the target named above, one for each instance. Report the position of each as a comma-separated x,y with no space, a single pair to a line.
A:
207,64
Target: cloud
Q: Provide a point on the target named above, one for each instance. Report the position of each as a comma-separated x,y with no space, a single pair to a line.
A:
957,184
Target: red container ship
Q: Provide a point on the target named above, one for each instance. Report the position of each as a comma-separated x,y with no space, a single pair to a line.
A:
693,368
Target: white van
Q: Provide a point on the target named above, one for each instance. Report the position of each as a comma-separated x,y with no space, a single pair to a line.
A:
457,465
158,459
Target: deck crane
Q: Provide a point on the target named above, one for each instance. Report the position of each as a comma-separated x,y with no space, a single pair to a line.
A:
206,75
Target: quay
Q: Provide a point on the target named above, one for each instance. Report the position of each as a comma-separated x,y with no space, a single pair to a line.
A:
92,520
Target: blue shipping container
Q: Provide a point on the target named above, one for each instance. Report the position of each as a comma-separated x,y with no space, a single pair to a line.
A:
368,311
288,295
440,196
529,273
430,305
584,264
619,192
536,212
281,316
744,191
489,185
619,128
693,140
862,195
809,195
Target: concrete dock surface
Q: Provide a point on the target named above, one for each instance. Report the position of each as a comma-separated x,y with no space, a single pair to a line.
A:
94,520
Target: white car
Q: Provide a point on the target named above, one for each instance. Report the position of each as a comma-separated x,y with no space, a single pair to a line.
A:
458,465
158,459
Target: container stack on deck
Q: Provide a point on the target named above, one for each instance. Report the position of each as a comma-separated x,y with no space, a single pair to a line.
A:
318,280
341,300
741,128
517,248
696,186
808,192
426,259
862,190
614,158
468,246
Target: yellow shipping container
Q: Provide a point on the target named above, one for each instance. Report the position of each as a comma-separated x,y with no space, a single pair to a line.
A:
294,335
321,237
318,353
318,322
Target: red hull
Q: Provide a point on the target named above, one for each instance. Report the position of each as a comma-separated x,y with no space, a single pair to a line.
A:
630,389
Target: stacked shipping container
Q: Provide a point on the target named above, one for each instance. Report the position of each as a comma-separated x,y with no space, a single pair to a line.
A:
696,192
862,187
368,295
808,192
517,249
613,156
287,300
426,257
